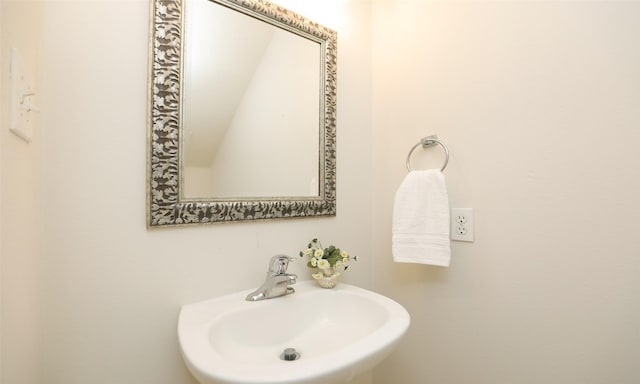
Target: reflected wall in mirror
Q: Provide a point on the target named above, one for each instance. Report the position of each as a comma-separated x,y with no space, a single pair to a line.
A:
262,113
242,113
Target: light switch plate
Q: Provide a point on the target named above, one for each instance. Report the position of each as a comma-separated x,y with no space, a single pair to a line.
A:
20,92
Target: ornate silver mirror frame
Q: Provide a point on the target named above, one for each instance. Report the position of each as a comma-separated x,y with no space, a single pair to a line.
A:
165,206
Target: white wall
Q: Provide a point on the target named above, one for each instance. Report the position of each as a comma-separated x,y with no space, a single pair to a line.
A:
197,181
2,127
112,289
20,202
539,105
248,147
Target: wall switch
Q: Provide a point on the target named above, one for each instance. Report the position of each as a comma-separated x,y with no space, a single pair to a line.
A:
21,95
462,224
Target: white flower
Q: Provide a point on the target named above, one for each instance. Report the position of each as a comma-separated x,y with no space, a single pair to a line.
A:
316,253
317,276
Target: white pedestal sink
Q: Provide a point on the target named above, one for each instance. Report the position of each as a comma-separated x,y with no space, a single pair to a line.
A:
339,334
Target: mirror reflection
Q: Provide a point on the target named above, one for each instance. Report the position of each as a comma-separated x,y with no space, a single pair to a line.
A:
251,101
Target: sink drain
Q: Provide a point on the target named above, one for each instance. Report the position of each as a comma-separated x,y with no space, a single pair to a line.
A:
290,354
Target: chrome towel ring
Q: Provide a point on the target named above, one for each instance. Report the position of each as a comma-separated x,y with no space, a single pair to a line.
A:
427,142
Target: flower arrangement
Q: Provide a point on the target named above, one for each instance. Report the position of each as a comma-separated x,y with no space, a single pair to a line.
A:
330,261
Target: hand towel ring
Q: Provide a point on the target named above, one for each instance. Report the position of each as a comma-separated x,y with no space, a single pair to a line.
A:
427,142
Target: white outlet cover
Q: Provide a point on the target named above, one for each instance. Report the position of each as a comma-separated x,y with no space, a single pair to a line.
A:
462,224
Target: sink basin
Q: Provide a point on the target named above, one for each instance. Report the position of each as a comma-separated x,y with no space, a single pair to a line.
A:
339,333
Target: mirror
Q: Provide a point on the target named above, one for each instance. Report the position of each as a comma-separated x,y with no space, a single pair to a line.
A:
242,113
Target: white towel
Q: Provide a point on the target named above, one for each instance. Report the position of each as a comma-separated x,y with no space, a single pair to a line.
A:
421,220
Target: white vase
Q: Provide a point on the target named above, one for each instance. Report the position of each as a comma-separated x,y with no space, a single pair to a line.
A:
329,278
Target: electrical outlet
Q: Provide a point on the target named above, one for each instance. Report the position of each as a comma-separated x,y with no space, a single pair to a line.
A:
462,224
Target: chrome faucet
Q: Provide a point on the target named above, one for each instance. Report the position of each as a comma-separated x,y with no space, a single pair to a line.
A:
278,281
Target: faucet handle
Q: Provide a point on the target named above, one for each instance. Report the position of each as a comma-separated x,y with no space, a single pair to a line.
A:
279,264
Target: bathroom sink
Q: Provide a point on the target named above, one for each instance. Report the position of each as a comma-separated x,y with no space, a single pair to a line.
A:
337,334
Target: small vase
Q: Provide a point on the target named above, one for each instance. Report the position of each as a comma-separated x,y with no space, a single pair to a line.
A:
329,278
